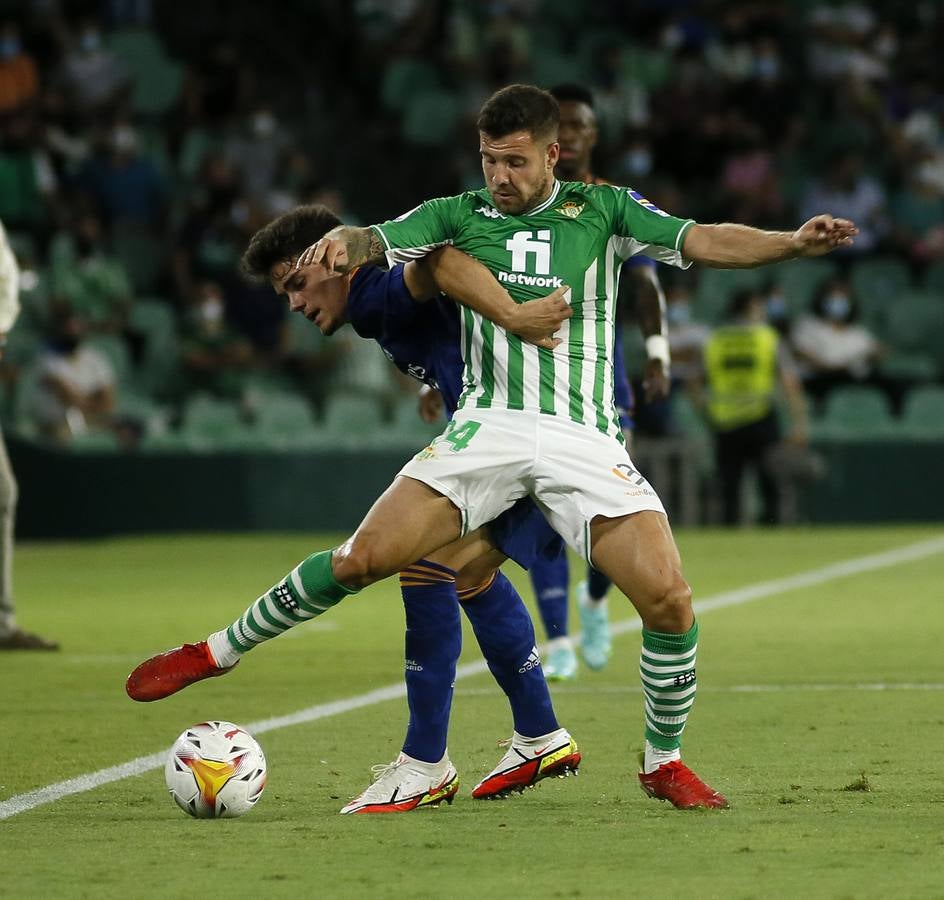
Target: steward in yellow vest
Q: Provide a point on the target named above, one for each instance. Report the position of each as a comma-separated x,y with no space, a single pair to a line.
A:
745,365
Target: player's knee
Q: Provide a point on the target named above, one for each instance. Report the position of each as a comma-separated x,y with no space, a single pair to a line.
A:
671,607
359,562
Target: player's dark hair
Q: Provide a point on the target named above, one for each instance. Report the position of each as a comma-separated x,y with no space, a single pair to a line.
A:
520,107
572,93
284,238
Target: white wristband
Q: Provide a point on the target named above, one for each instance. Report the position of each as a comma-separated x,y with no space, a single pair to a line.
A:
657,347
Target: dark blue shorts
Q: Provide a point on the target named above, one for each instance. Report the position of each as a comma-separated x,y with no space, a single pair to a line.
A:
524,535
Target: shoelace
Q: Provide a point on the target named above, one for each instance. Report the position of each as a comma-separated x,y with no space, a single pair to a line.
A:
382,769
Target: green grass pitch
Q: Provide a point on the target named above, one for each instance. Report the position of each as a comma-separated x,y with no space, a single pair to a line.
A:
806,698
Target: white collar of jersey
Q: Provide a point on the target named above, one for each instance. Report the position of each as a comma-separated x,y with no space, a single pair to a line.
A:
539,209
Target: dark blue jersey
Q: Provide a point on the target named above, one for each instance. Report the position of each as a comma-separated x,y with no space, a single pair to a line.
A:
420,339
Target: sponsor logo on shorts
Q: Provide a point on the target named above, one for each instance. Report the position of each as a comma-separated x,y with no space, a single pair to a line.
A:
426,453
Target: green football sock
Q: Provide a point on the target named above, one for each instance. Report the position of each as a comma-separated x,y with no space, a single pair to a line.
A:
306,592
667,669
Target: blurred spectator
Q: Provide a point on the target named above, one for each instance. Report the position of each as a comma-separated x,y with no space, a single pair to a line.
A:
28,183
917,213
76,386
87,280
831,347
210,240
745,363
94,79
848,192
19,78
215,357
258,149
124,183
687,337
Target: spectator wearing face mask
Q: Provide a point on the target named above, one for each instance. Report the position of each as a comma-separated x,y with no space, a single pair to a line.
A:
831,347
75,393
215,357
93,78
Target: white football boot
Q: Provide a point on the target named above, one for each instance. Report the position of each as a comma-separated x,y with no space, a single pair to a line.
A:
407,784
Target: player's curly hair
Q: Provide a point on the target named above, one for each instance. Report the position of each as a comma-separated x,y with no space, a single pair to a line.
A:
284,238
520,107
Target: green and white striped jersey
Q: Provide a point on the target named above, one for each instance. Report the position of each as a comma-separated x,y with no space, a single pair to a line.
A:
578,237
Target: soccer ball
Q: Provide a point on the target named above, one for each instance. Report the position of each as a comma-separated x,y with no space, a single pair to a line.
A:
215,770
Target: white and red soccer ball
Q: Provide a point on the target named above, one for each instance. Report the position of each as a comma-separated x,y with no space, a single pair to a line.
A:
215,770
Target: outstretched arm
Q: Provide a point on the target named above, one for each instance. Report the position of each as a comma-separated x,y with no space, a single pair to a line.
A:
730,246
468,282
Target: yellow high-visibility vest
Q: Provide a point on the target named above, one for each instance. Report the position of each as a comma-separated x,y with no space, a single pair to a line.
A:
741,366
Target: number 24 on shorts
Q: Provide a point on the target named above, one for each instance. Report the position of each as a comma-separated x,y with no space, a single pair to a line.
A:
460,435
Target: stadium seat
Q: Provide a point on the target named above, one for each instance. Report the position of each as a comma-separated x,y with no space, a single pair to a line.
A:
403,79
115,350
156,78
717,286
855,412
209,424
934,278
799,280
915,322
876,283
923,414
909,367
431,118
142,256
95,442
154,318
408,428
352,419
285,421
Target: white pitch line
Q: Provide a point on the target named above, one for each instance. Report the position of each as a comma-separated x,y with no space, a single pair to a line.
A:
560,689
53,792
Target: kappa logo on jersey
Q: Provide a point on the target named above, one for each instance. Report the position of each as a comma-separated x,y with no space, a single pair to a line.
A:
646,204
487,211
571,209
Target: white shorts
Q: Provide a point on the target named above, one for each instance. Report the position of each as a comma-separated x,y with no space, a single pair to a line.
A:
486,459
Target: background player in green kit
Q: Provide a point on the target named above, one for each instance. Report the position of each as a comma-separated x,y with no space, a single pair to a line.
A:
539,422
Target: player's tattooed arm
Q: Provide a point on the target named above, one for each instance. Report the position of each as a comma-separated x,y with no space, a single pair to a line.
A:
468,282
344,248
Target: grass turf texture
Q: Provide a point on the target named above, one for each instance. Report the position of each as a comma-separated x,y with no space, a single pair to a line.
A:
781,726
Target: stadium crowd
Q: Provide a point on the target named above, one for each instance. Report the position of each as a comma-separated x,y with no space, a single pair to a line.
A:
140,148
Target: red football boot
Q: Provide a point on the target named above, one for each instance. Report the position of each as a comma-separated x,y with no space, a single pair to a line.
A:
677,783
165,674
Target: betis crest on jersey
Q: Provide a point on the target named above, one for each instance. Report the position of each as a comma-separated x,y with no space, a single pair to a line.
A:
571,209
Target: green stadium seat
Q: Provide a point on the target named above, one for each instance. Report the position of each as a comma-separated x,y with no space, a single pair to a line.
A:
352,419
141,255
923,414
115,350
156,319
285,422
799,280
855,412
431,118
909,367
403,79
408,428
95,442
915,322
934,278
876,284
716,288
211,424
